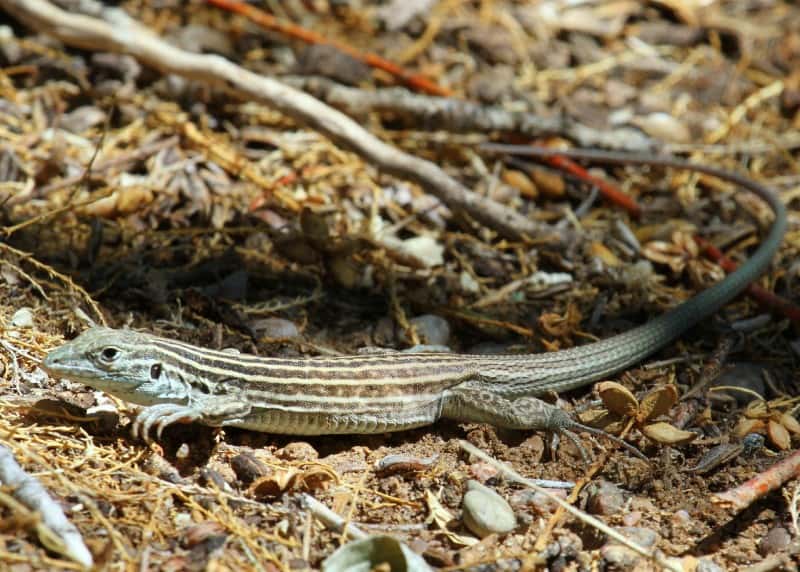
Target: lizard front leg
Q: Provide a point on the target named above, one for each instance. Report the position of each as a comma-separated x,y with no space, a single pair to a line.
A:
216,413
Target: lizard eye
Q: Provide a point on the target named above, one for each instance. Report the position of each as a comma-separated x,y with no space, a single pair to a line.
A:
109,354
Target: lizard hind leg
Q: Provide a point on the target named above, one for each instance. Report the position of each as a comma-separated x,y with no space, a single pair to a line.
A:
483,406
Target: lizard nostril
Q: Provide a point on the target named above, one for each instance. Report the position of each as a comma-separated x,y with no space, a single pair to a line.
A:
51,359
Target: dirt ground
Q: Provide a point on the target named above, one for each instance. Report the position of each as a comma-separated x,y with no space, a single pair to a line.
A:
188,208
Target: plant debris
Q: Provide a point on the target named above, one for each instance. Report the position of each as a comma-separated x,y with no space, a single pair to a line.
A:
315,178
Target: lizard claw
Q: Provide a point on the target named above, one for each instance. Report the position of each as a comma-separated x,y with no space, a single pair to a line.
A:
160,416
561,423
575,426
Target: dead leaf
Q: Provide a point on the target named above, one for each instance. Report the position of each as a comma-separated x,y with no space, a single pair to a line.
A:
315,477
686,10
601,251
778,435
657,402
664,127
745,426
274,485
520,181
791,424
441,516
667,434
618,399
560,326
549,183
603,419
704,273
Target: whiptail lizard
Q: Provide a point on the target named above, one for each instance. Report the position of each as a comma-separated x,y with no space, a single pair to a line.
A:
387,392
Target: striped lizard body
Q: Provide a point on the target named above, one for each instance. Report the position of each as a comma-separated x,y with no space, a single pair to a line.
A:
387,392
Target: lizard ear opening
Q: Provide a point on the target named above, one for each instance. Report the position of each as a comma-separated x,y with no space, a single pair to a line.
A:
155,371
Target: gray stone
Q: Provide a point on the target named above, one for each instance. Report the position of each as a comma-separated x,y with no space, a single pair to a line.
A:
485,512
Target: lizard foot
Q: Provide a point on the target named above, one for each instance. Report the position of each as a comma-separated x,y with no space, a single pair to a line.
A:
162,415
560,422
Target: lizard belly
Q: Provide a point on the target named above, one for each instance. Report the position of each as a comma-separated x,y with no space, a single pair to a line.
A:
338,422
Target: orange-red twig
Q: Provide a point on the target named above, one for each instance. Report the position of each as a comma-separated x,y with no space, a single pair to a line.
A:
413,80
745,494
764,297
608,190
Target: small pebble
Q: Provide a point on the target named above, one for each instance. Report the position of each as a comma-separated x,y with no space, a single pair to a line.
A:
605,498
776,540
752,444
248,468
468,284
681,517
485,512
22,318
183,519
482,472
298,564
183,452
432,330
540,504
277,328
708,565
640,535
204,532
82,118
384,333
297,451
663,126
618,557
631,518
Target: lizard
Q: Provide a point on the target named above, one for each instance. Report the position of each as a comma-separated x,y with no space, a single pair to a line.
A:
180,382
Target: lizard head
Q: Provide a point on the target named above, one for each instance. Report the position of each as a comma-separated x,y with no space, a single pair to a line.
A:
119,362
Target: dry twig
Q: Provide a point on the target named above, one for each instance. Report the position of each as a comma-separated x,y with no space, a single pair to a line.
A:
762,484
54,530
459,116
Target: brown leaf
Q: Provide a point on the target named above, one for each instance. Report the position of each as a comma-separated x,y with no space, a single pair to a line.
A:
601,251
686,10
131,199
664,127
657,402
674,254
275,484
316,477
779,435
745,426
521,182
704,272
593,417
549,183
788,421
617,398
561,326
602,419
665,253
667,434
